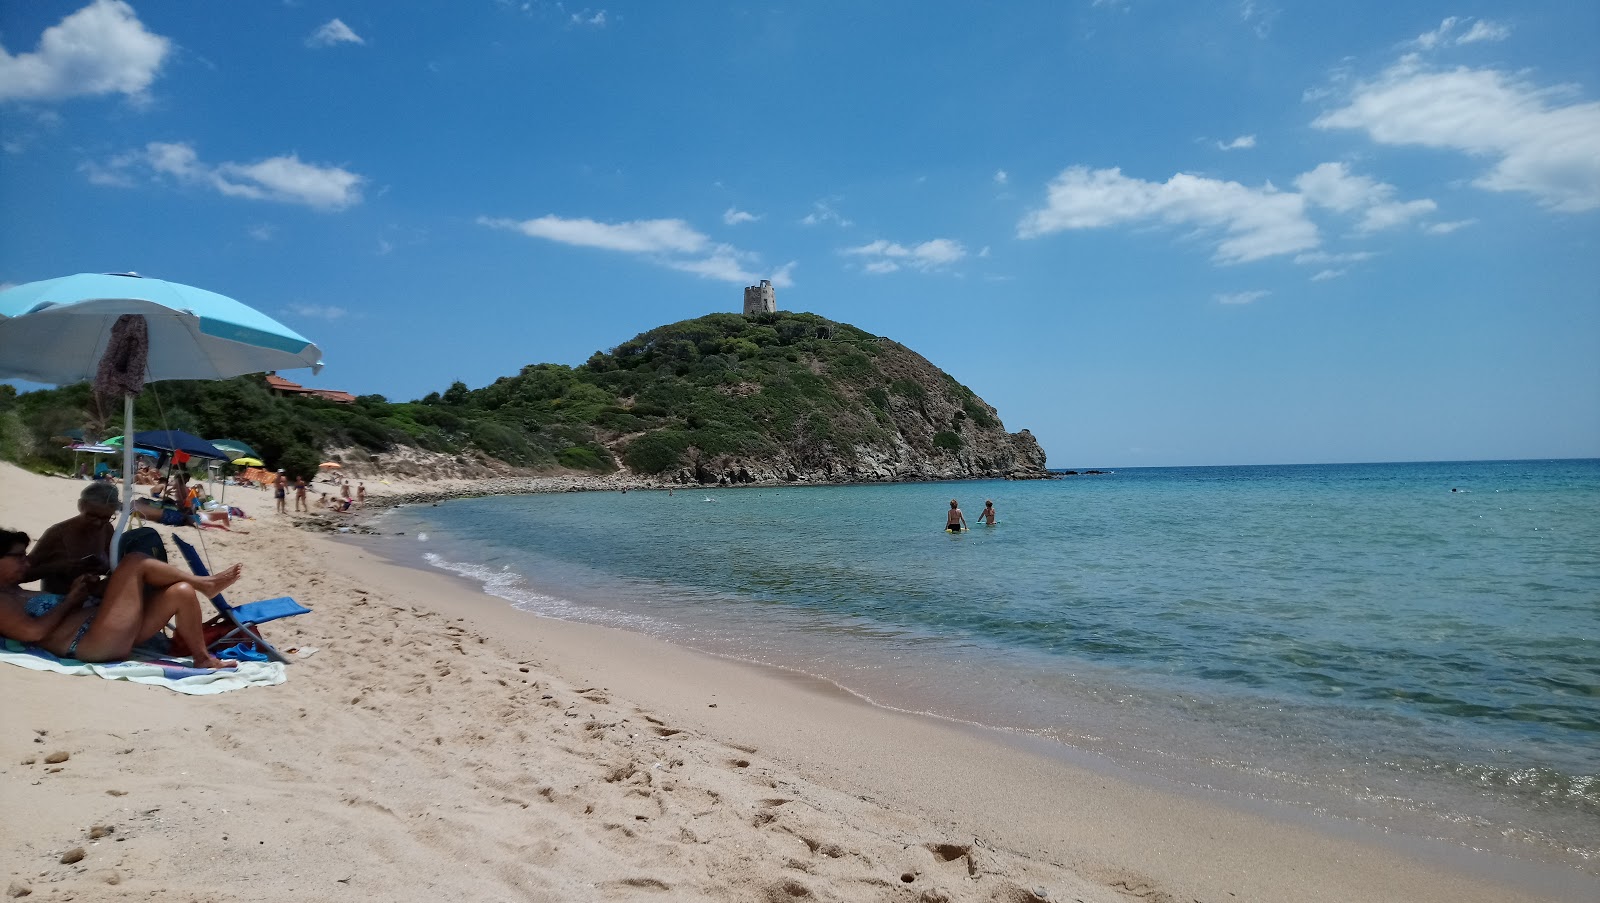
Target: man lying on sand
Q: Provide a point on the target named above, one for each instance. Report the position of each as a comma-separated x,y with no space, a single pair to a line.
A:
100,620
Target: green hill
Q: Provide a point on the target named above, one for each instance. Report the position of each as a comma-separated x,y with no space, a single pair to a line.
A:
782,397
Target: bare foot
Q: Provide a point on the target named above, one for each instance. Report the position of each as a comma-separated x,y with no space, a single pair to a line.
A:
217,582
214,663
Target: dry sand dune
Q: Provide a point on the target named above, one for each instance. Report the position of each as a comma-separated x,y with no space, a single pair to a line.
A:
440,746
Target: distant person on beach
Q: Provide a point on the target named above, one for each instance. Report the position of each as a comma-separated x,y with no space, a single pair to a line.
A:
955,521
300,495
987,514
344,490
361,494
280,485
99,620
78,545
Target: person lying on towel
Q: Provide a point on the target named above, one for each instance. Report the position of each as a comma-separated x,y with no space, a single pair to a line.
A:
149,509
100,620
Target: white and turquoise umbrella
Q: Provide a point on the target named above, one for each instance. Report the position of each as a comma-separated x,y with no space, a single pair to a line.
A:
57,330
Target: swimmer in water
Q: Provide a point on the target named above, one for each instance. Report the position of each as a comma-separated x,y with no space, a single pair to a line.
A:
987,514
954,520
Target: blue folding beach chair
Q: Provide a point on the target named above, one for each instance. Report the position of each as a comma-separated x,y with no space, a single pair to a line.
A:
238,624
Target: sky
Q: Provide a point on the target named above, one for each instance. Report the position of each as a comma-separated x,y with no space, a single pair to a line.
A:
1152,232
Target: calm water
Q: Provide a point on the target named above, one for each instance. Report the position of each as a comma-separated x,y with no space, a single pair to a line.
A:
1352,640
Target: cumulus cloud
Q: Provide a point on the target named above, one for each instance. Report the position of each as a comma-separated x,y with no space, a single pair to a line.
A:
1541,142
887,256
1242,297
1448,227
1000,177
596,19
100,49
1243,142
1253,222
733,216
1449,32
671,243
1333,186
262,231
823,212
1325,275
285,179
333,32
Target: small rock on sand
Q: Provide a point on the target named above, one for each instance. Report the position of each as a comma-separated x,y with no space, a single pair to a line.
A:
18,889
75,854
57,758
99,831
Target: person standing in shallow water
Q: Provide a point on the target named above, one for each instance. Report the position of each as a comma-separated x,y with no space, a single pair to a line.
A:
955,521
987,514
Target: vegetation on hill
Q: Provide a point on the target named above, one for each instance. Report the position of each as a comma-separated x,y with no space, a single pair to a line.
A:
793,394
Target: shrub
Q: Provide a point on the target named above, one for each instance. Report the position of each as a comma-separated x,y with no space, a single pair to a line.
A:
947,440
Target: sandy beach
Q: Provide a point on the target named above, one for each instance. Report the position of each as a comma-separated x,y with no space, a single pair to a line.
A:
439,745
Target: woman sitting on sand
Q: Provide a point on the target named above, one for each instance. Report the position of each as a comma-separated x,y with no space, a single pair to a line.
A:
99,620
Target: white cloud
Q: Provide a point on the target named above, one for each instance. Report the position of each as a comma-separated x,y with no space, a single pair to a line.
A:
598,19
318,311
783,277
1242,297
284,179
1243,142
671,243
1326,257
733,216
823,212
100,49
1447,33
1539,144
1255,222
887,256
1258,16
262,231
1331,185
650,236
1447,228
1484,30
1325,275
384,246
333,32
1000,177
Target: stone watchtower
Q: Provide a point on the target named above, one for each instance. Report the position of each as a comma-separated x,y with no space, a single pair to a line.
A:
760,298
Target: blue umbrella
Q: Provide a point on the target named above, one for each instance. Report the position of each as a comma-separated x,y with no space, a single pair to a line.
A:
176,440
234,448
58,330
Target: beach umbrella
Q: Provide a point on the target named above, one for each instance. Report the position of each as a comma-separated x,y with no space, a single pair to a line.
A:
248,462
235,448
123,330
178,441
330,465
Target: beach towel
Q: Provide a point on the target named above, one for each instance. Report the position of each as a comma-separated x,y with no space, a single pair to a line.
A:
174,674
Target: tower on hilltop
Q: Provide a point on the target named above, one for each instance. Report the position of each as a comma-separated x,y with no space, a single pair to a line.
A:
760,298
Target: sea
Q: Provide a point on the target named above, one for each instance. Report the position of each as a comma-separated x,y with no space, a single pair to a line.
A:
1411,648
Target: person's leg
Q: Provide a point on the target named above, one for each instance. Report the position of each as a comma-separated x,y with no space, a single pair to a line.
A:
181,602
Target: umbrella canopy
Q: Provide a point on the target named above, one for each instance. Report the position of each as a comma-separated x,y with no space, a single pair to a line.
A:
96,449
56,331
176,441
235,448
247,462
330,464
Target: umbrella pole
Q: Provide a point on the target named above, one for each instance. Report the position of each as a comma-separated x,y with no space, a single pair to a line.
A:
127,479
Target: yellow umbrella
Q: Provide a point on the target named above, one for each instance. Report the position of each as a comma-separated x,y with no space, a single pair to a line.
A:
248,462
330,464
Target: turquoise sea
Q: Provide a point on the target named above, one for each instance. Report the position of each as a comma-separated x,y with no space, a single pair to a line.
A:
1355,641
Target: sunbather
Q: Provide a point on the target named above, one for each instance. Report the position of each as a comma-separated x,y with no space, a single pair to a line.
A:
78,545
149,509
100,620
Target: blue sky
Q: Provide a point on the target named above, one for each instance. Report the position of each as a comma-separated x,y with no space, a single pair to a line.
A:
1152,232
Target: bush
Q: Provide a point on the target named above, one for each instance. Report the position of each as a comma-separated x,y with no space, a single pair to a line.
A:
656,452
947,440
583,457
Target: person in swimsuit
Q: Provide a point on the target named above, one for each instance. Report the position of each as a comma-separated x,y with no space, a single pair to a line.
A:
280,486
987,514
99,620
955,521
300,495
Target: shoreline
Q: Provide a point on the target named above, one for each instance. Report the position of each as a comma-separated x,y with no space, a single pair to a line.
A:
1531,872
444,745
